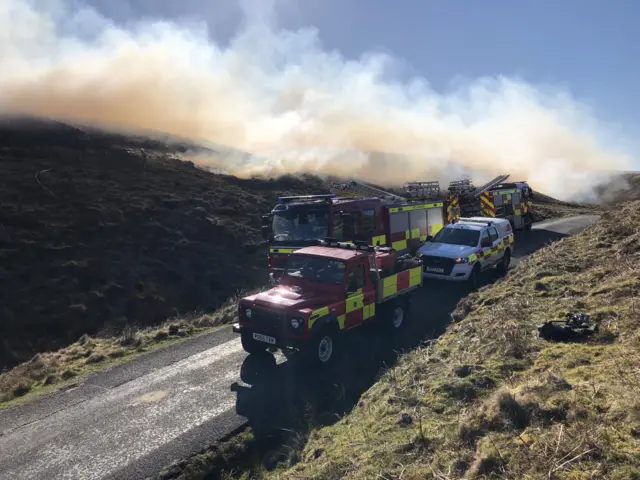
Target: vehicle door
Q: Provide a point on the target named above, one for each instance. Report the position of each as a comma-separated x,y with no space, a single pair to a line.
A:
369,228
486,246
496,244
358,288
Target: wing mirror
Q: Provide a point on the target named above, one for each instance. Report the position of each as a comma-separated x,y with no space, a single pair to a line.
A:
266,226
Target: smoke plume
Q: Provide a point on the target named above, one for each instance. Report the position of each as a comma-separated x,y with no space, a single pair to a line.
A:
292,105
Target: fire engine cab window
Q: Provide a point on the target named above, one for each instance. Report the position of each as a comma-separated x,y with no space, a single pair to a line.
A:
369,221
356,278
315,268
300,225
345,227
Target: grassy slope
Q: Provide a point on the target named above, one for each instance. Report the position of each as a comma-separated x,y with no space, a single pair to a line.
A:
490,399
91,242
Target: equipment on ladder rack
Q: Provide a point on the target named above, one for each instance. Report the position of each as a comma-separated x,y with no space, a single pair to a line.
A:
464,197
461,187
496,181
366,190
422,189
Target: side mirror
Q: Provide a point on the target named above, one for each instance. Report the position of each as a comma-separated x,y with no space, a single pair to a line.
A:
486,242
429,238
266,220
265,232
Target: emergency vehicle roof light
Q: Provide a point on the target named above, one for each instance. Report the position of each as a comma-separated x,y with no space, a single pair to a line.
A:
475,220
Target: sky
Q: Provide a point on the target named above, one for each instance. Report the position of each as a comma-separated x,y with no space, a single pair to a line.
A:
586,46
544,90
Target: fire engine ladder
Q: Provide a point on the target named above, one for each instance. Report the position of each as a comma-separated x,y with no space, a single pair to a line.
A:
499,179
366,190
422,189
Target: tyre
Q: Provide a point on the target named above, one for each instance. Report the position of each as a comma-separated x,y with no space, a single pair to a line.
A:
250,345
323,347
474,279
529,224
506,261
396,316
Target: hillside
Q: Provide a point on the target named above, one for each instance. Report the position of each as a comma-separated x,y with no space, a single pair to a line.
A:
624,188
92,241
490,399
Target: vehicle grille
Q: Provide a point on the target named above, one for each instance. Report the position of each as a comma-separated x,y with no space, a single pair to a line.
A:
268,322
438,262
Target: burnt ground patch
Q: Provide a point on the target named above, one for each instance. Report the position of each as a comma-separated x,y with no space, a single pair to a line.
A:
93,240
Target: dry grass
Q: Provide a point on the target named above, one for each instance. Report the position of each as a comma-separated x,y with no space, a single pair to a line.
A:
492,400
89,354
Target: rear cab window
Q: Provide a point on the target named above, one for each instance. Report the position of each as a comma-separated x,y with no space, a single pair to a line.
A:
493,234
484,235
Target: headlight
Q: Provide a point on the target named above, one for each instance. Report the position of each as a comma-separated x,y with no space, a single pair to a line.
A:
247,312
462,260
295,323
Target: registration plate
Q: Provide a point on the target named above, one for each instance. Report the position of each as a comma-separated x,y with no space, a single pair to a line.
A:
435,270
264,338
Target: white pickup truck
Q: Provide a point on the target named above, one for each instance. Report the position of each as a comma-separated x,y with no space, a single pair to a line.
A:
461,251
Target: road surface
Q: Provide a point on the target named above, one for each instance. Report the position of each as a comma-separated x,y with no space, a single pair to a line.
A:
135,419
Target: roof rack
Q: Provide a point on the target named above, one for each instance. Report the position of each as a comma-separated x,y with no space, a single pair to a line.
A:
356,245
422,189
305,198
461,186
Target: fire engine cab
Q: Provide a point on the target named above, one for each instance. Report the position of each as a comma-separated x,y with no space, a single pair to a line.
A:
300,221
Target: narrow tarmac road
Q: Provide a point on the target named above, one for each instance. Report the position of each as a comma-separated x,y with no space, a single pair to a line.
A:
135,419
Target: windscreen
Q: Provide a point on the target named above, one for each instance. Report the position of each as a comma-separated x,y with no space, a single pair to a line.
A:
300,225
457,236
315,268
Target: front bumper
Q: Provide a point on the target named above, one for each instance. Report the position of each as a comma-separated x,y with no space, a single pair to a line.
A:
459,273
281,341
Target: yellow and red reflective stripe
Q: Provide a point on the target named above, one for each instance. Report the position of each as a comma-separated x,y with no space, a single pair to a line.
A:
408,208
401,281
390,286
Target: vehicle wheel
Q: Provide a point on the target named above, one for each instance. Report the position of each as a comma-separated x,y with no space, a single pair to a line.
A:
323,347
474,278
506,261
528,226
250,345
396,316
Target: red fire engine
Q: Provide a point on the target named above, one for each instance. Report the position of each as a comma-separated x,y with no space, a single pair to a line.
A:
393,221
357,211
326,290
